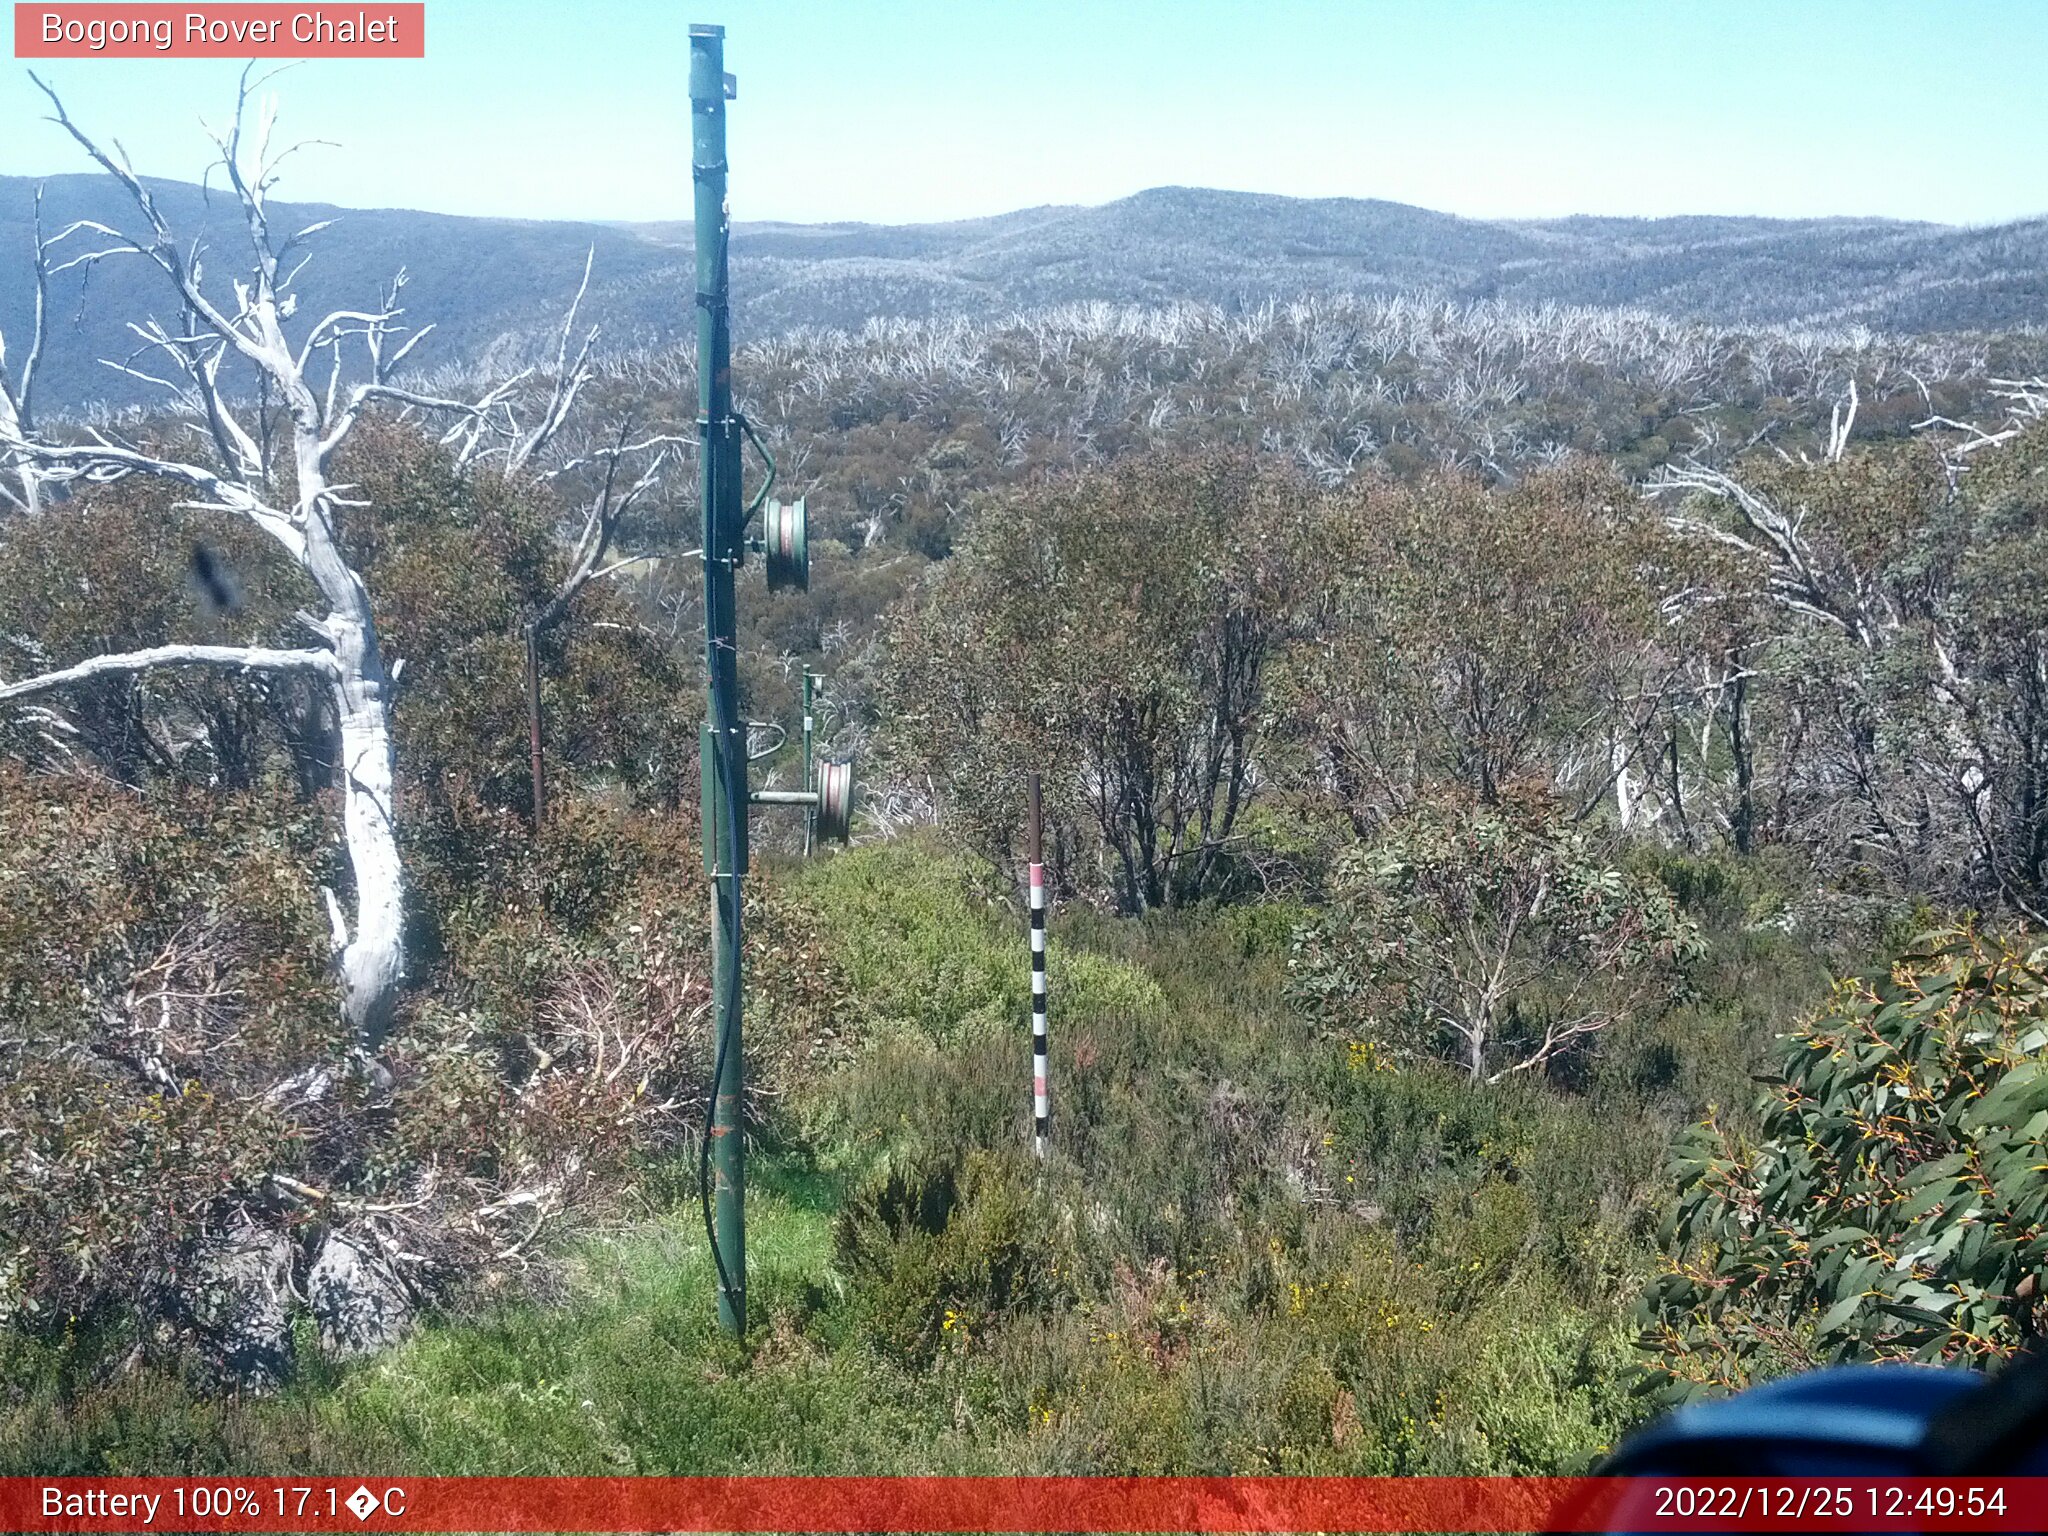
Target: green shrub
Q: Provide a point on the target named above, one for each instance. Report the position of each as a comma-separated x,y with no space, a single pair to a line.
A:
159,971
1894,1205
1491,933
917,953
939,1251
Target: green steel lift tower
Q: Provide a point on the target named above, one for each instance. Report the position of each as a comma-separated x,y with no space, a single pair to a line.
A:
827,795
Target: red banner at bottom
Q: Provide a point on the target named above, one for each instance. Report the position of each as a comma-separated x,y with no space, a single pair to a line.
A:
1001,1504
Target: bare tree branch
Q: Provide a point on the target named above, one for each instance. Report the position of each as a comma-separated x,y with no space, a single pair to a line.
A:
373,964
1773,538
569,380
608,508
245,658
163,247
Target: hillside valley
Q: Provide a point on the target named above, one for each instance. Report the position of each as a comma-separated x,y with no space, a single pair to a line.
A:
495,287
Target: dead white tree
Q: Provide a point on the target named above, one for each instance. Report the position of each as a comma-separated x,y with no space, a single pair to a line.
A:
1801,576
18,395
1841,422
1963,730
298,504
2026,402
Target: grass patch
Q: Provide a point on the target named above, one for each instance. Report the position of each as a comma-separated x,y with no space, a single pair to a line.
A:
1254,1250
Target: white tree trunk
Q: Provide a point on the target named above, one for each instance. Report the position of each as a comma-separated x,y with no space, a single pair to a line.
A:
1624,790
373,963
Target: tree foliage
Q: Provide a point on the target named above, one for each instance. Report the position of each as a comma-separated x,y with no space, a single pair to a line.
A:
1482,636
1883,674
456,564
154,985
1118,633
1490,933
1893,1205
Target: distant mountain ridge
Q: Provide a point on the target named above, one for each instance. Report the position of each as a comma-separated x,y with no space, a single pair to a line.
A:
496,287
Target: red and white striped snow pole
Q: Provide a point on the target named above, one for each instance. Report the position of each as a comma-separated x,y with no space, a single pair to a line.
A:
1041,1101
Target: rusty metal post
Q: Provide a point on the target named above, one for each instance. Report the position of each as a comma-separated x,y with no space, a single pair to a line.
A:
533,731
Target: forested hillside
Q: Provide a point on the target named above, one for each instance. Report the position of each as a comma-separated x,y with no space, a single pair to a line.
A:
1547,816
488,283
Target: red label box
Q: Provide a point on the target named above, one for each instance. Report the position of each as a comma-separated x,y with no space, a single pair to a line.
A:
241,31
1109,1506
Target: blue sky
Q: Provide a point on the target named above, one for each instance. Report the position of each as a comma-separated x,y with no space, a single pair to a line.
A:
895,110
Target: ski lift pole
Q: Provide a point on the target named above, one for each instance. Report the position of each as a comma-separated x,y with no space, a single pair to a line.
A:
723,748
1041,1100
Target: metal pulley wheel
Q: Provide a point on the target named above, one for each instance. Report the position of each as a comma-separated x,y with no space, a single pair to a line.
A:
786,545
835,799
